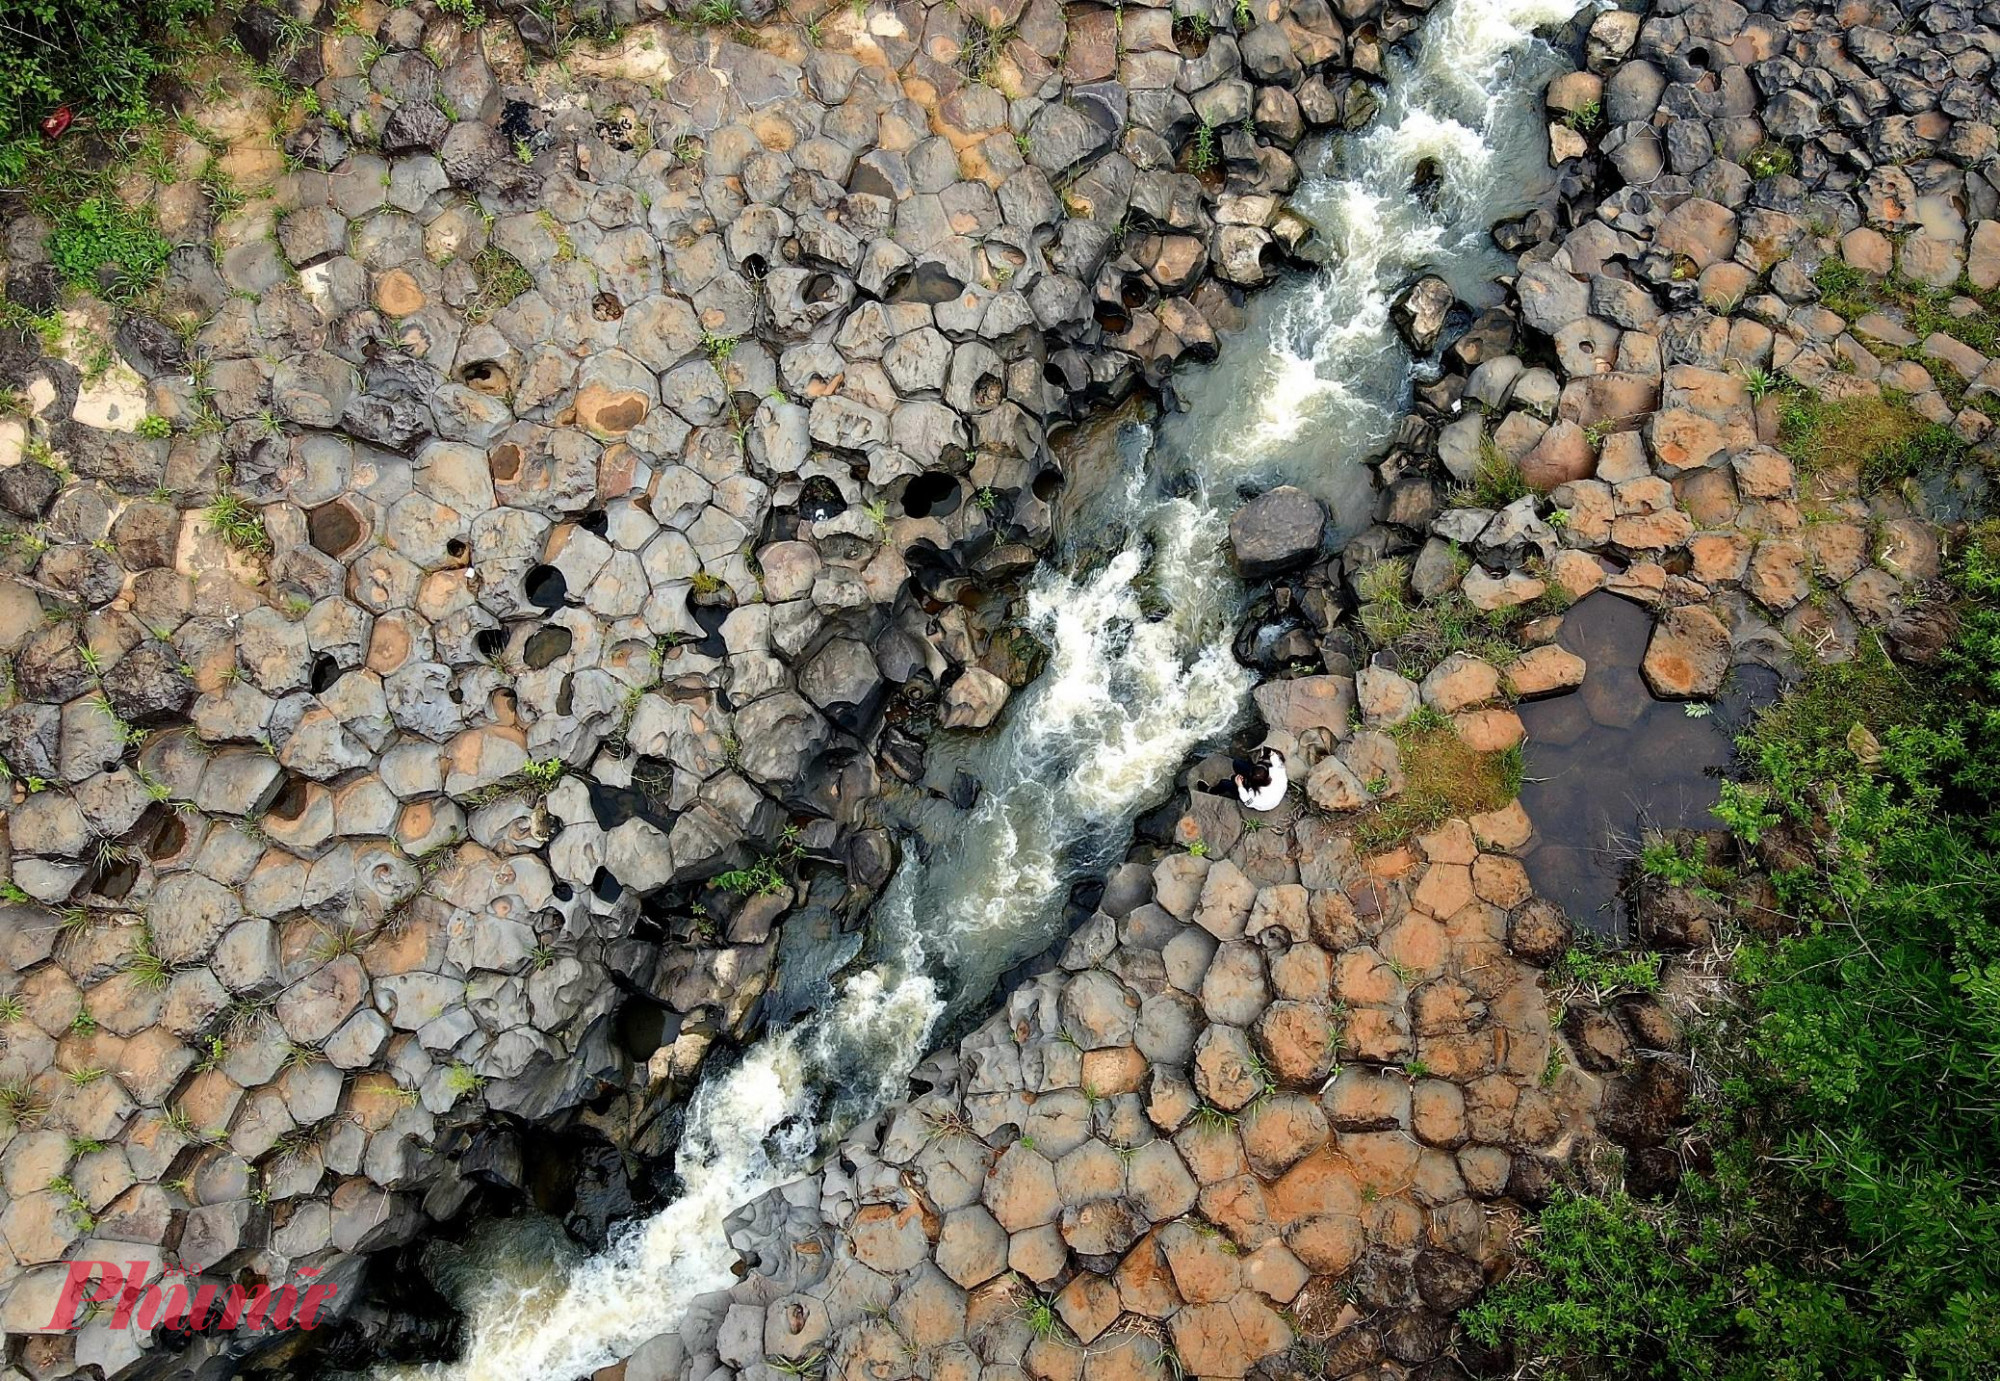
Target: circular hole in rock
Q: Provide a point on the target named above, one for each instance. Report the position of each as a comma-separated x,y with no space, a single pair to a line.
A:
505,462
169,839
932,495
606,887
756,268
1048,484
820,500
643,1026
114,879
607,307
325,671
456,548
1052,373
1699,58
709,618
333,528
1112,319
562,890
544,646
488,641
290,802
988,390
1136,292
486,376
545,587
596,522
821,287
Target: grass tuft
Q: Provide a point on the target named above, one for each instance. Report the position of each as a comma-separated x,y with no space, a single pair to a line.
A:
1879,439
501,278
239,522
1444,779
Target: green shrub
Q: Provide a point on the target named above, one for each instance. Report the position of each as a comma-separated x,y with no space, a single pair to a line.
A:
102,245
1607,1292
1847,1220
98,56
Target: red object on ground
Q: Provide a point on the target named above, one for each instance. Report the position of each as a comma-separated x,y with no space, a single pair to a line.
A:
53,127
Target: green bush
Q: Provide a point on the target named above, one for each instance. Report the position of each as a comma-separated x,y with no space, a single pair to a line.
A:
1612,1293
100,57
100,244
1848,1223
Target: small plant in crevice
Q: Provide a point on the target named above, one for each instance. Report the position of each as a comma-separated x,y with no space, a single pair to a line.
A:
1201,154
144,963
1769,160
1496,480
1585,117
1039,1313
983,46
498,276
239,522
21,1105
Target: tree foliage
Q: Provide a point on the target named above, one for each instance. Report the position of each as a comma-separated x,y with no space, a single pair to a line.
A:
1848,1225
100,57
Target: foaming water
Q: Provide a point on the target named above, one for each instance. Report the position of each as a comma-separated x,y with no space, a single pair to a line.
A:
748,1129
1140,673
1460,110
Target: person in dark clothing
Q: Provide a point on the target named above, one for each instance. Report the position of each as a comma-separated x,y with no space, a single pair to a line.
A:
1253,772
1263,786
1252,778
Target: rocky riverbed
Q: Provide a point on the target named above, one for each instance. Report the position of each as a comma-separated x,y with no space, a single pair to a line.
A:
481,593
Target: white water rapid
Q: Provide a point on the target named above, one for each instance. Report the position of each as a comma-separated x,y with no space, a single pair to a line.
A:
1140,674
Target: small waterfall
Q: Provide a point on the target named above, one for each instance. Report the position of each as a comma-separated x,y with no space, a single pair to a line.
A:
1140,674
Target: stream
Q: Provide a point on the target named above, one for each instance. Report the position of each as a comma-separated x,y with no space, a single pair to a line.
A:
1138,606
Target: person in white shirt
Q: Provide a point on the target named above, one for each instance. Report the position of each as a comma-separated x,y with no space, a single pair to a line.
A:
1261,782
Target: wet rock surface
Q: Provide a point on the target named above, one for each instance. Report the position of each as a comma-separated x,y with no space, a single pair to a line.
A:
1357,1080
520,509
564,477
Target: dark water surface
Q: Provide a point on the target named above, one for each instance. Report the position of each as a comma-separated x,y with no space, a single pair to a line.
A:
1608,760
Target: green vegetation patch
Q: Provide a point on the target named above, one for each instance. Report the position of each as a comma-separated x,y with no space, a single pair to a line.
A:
501,278
1841,1215
1422,634
1880,439
1496,481
101,245
1924,310
1444,779
98,57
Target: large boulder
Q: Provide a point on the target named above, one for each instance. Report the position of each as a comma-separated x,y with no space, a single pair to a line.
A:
1277,531
1688,655
1420,312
